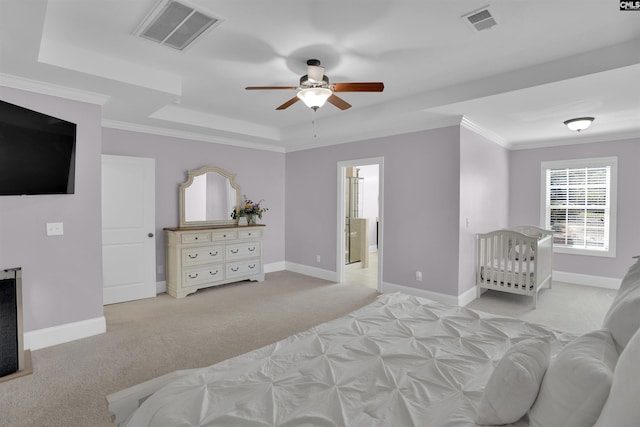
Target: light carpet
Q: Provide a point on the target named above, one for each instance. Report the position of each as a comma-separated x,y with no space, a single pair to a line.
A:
566,306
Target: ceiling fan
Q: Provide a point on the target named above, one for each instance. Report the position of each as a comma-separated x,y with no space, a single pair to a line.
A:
315,89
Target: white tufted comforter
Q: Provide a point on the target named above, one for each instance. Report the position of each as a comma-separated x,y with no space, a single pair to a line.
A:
400,361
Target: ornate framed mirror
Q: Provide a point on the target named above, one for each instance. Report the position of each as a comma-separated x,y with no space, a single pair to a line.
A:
207,197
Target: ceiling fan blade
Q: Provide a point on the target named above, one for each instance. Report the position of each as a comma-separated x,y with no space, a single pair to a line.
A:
358,87
338,102
270,87
289,103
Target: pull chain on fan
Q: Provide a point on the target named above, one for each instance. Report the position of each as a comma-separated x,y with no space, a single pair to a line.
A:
313,122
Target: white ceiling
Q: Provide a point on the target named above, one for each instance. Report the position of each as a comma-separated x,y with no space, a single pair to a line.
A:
545,62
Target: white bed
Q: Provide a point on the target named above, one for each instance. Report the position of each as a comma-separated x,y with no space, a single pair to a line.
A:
516,260
409,361
399,361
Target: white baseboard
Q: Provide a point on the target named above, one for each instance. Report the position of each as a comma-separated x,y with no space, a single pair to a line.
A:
387,287
467,296
275,266
64,333
588,280
316,272
161,287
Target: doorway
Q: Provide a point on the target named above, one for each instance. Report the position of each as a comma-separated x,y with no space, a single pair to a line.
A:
360,201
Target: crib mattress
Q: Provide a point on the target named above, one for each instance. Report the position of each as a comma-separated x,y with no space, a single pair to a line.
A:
400,361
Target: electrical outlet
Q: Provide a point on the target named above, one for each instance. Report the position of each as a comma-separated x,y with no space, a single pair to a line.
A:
419,276
54,229
318,258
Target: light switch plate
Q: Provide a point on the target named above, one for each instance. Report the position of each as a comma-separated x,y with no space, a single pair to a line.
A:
54,229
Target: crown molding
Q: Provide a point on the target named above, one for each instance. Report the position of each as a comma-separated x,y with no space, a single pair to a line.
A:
153,130
577,140
494,137
375,134
44,88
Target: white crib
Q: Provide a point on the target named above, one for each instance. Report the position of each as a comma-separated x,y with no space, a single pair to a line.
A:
517,260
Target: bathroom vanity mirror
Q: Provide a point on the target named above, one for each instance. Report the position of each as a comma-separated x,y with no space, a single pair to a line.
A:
207,197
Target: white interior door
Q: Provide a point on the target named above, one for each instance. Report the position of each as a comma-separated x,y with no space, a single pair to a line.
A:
128,227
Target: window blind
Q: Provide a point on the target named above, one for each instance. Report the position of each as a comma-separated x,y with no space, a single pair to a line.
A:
578,206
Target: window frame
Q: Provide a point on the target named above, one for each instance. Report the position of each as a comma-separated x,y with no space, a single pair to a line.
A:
612,162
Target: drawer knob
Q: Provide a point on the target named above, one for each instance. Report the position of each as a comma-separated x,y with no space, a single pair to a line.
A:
213,253
252,266
234,269
196,238
224,235
193,256
193,276
235,251
213,273
252,249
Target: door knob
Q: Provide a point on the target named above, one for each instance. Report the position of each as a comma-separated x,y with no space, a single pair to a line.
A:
150,234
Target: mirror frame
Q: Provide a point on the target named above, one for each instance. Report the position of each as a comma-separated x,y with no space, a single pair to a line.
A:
201,171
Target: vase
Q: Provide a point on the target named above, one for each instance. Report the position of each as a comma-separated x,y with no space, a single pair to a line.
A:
242,221
251,220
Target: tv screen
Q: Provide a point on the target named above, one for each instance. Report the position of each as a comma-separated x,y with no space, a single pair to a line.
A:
37,152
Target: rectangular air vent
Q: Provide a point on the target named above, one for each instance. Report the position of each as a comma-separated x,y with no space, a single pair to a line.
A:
175,24
480,19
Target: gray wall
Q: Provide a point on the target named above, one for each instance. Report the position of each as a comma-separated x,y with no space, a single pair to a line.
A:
62,275
524,200
260,175
421,200
484,191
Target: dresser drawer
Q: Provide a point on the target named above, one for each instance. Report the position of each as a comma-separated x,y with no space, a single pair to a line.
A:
225,235
244,268
250,233
202,255
194,276
243,250
202,237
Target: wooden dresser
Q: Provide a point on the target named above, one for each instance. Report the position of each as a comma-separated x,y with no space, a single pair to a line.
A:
201,257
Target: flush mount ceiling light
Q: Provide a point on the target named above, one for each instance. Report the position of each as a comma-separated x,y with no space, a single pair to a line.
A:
314,97
579,124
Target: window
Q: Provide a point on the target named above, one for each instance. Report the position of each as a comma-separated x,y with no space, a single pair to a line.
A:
579,205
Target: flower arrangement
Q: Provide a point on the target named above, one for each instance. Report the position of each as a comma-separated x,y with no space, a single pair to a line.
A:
249,209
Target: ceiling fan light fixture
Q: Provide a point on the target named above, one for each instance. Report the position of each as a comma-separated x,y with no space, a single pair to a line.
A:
580,123
314,97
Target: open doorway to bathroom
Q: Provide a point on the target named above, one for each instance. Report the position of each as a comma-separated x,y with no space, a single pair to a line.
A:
360,222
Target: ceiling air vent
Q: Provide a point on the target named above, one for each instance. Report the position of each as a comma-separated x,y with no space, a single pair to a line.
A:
175,24
480,19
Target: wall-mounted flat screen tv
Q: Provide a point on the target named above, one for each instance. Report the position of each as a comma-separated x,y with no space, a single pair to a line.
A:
37,152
